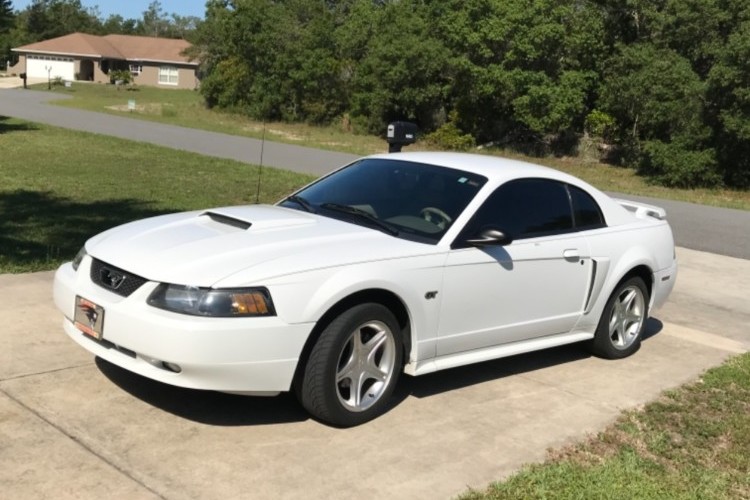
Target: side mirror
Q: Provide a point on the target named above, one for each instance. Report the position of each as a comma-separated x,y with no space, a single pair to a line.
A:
490,237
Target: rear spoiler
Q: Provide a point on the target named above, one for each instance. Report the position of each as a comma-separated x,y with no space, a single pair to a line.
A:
642,210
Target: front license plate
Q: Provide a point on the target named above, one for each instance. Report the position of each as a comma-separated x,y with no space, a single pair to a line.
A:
89,317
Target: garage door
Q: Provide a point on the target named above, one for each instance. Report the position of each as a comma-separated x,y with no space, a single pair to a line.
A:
37,66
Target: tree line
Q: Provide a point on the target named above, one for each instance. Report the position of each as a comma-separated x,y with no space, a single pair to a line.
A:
659,85
662,85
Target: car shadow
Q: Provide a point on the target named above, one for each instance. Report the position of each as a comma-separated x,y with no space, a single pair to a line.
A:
653,327
206,407
219,409
466,376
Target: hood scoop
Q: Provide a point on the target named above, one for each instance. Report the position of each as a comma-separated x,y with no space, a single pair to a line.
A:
259,217
227,220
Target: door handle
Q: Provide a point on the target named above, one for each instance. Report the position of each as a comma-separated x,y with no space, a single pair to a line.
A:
571,254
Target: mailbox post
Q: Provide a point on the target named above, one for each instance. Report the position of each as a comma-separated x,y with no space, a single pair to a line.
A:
400,134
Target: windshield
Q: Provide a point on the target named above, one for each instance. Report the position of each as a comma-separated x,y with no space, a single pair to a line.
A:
408,200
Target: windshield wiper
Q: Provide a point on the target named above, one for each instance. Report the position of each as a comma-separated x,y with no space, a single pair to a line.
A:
301,202
362,214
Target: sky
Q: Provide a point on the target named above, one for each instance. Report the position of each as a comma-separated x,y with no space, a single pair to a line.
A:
133,9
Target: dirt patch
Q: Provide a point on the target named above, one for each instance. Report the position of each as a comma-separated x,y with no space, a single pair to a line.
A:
152,108
279,133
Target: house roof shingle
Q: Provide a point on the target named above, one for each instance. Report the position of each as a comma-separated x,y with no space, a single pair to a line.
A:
79,44
126,47
145,48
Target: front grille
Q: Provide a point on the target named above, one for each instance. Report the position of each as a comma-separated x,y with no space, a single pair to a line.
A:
115,279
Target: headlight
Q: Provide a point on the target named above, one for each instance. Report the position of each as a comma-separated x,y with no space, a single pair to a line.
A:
222,303
78,258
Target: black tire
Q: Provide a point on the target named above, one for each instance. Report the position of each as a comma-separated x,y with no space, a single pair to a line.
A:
328,389
620,328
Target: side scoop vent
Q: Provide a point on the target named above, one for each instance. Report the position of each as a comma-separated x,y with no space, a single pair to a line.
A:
229,221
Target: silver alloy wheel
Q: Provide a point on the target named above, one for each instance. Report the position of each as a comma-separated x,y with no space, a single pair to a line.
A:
365,366
628,316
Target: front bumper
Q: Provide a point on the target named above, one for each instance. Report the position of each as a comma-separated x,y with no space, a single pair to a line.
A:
250,355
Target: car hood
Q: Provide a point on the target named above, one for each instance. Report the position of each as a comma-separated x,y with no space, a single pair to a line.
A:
204,247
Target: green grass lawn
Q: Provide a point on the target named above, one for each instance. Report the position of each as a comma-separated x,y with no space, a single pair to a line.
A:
186,108
691,443
59,187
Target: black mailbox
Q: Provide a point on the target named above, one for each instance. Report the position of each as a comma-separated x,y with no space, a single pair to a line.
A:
23,77
400,134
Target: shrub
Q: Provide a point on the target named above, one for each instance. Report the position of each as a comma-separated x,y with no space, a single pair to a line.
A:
450,137
120,75
675,165
599,124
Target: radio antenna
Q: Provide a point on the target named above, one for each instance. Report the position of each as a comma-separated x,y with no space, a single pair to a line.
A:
260,167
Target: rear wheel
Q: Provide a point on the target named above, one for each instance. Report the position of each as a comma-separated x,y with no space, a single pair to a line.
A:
620,328
353,367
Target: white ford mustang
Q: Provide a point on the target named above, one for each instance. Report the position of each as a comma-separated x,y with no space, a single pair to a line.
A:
411,262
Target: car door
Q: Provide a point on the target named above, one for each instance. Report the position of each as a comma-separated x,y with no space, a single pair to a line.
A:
533,287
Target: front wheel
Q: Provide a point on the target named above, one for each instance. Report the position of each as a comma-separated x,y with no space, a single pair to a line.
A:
620,328
353,367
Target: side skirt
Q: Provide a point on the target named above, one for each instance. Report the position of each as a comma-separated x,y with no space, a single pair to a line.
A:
501,351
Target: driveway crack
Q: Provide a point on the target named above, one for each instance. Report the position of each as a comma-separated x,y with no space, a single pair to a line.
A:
56,370
80,443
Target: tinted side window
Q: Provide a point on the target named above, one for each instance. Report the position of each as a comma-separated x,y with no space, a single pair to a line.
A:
586,211
525,208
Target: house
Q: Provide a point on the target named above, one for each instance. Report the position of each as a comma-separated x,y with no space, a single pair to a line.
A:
80,56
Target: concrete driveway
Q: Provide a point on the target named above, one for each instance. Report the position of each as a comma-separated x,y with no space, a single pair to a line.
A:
75,427
10,82
14,82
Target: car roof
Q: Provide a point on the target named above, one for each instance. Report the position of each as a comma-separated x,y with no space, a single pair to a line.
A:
500,170
493,167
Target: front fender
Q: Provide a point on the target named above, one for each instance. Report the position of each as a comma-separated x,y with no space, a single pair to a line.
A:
306,297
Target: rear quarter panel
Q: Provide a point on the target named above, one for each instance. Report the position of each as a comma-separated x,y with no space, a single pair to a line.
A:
646,242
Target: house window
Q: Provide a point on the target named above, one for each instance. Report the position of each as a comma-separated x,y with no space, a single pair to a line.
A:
168,75
136,69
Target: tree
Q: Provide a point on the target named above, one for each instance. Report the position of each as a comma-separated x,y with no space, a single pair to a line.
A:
7,19
521,71
45,19
154,21
6,16
401,69
657,100
271,60
729,94
631,21
181,26
116,24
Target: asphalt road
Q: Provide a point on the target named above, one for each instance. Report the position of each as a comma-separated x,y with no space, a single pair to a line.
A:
716,230
32,105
